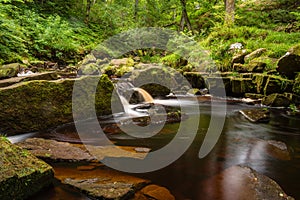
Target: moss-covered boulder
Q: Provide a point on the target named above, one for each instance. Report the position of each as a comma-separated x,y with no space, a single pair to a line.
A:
289,64
36,105
10,70
276,100
21,174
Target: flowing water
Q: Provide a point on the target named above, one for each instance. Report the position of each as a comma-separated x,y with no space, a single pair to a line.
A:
241,142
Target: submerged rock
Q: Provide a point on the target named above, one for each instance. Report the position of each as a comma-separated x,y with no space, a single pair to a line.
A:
151,192
21,174
256,115
101,182
240,182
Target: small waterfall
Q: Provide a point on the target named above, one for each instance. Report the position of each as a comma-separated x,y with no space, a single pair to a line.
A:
146,96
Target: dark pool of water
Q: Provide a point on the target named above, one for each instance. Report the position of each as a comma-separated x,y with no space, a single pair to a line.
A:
239,143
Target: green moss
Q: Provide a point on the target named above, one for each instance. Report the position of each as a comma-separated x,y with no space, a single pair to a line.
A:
38,105
21,174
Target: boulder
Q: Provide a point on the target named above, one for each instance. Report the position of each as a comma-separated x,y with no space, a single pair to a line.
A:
37,105
21,174
289,64
276,100
10,70
255,54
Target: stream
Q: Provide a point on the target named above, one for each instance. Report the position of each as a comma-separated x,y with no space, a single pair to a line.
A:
241,143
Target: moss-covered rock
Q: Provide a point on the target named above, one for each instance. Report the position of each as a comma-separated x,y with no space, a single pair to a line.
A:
36,105
289,64
10,70
277,84
276,100
21,174
240,86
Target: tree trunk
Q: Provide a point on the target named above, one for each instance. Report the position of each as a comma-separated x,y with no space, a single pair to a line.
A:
88,10
229,12
184,21
136,5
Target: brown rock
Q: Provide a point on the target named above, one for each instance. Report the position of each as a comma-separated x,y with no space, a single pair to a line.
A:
154,192
239,182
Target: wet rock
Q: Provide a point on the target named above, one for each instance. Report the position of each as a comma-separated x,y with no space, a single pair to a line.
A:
240,182
278,150
255,54
289,64
21,174
156,192
256,115
97,189
37,105
101,182
276,100
54,151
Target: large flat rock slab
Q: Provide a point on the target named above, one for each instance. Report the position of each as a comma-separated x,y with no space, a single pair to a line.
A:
242,183
52,150
21,173
100,182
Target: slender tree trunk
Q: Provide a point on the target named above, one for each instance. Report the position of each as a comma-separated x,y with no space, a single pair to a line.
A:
229,12
184,21
88,10
136,7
